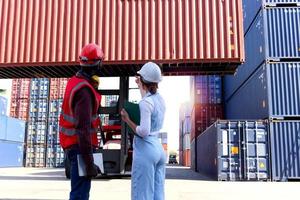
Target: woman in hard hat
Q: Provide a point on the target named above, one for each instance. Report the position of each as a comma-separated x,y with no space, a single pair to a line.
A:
148,167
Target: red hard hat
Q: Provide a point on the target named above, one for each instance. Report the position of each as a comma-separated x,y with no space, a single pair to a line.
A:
91,55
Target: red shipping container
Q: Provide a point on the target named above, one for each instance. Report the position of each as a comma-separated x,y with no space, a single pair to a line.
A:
20,88
19,108
45,37
204,115
187,158
57,88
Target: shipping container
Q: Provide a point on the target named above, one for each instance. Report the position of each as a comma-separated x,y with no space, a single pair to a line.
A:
55,156
186,128
274,90
19,108
20,88
12,129
39,88
11,154
3,127
195,36
206,89
285,153
57,88
186,141
3,105
187,158
194,155
252,7
234,150
180,157
15,130
203,115
270,38
35,155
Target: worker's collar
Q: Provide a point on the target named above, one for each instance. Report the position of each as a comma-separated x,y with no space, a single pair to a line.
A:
84,75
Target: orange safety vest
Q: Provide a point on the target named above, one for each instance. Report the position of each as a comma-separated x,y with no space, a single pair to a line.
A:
67,120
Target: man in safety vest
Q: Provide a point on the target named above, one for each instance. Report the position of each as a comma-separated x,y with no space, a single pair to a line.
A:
79,120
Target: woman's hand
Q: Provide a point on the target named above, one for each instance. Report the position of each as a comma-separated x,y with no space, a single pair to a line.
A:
124,115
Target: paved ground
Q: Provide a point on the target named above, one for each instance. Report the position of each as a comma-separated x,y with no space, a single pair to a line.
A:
181,184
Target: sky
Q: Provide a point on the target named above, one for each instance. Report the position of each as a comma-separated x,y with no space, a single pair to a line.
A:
175,91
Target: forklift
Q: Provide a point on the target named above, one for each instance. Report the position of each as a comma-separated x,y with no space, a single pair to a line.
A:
117,161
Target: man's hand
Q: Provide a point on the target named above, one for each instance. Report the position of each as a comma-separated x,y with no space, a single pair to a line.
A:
92,171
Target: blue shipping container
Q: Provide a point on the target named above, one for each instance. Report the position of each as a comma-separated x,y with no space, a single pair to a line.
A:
3,127
272,92
252,7
3,105
11,154
234,150
39,88
285,150
274,35
206,89
12,129
15,130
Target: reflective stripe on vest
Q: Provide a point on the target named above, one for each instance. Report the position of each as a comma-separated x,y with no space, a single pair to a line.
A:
69,118
73,120
71,132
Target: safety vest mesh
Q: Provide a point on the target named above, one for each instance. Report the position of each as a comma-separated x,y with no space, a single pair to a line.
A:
67,121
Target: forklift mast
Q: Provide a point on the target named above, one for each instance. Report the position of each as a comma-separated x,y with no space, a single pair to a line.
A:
116,161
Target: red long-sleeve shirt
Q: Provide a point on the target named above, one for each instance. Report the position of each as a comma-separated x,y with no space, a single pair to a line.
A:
82,105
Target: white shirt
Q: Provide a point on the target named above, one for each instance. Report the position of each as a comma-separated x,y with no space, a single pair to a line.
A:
146,108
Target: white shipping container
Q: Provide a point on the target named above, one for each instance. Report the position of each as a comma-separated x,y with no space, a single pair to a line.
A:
187,141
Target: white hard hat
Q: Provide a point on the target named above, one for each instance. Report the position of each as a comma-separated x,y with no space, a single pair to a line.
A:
150,72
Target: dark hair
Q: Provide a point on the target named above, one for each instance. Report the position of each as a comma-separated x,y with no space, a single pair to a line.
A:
152,87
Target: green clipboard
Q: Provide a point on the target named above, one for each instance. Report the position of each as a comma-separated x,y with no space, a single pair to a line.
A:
133,111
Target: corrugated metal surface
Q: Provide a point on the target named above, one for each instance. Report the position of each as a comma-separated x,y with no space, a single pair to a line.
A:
283,38
274,90
285,151
193,155
251,8
52,32
234,150
206,89
203,116
187,158
3,127
20,88
187,141
279,2
269,38
15,130
12,129
35,155
11,154
3,105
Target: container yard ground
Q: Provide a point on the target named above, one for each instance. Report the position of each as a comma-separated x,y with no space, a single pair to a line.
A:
181,184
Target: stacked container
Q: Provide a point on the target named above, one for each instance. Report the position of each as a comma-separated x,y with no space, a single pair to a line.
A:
163,138
3,105
11,141
267,85
19,104
37,123
234,150
206,93
185,135
55,154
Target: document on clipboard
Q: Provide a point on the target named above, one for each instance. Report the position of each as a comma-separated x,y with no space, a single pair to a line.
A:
98,160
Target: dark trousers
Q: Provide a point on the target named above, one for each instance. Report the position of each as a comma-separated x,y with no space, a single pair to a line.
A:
80,186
